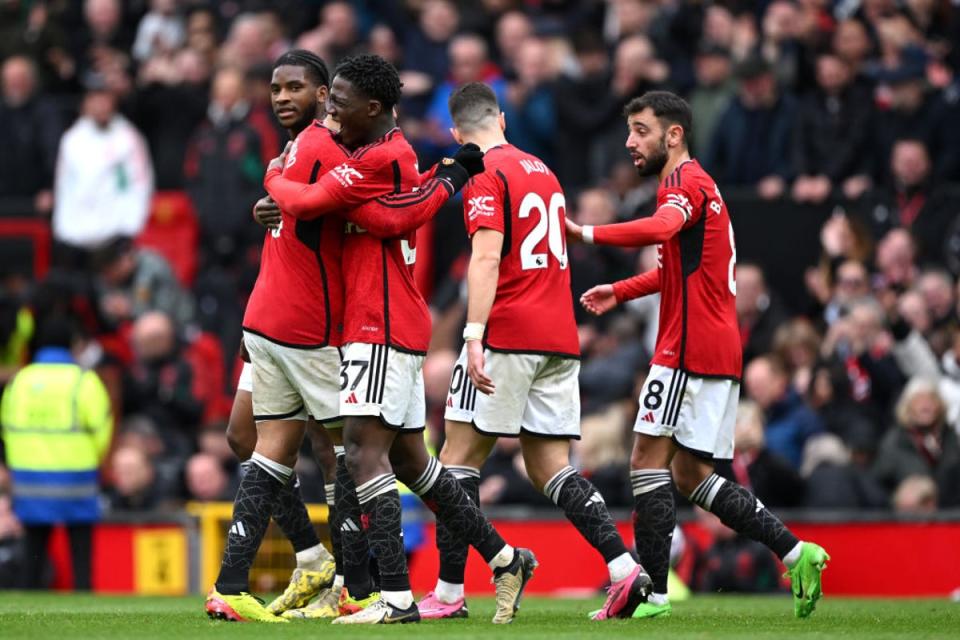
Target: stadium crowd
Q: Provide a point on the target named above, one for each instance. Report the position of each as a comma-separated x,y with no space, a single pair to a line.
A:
140,131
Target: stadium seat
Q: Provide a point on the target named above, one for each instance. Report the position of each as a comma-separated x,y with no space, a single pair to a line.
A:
173,232
205,355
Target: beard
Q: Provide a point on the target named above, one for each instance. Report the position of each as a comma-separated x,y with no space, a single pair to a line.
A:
655,162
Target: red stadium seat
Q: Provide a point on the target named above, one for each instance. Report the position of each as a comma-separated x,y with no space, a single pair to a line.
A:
173,232
205,355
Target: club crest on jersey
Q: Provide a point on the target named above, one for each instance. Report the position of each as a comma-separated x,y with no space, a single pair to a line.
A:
480,206
345,174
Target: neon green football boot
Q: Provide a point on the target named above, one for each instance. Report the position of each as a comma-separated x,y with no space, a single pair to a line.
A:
805,578
244,607
302,588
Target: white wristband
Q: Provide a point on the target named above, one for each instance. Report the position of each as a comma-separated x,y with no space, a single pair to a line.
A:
473,331
588,233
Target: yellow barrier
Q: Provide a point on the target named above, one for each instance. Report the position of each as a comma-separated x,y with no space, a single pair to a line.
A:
274,561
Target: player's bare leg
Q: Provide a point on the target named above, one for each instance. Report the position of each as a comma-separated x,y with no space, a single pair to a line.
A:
270,469
547,461
654,514
740,510
464,452
444,495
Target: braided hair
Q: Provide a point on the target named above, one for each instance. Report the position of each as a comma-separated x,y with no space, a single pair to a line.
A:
372,76
316,68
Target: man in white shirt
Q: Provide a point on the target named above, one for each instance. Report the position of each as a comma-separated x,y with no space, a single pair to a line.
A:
104,177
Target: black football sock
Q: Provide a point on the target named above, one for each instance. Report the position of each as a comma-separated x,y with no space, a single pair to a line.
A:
584,507
252,507
453,552
654,519
354,548
462,517
380,503
741,511
291,516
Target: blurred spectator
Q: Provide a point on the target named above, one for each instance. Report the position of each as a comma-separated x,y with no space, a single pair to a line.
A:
797,344
851,42
912,201
336,37
585,106
712,94
30,130
30,31
603,452
916,495
614,357
224,170
161,30
425,46
159,385
179,80
134,481
833,482
57,426
780,46
104,178
202,33
132,281
16,333
469,62
206,480
766,474
829,394
916,113
758,313
897,261
921,444
789,421
937,289
102,45
505,479
248,42
833,132
530,109
851,282
513,29
752,145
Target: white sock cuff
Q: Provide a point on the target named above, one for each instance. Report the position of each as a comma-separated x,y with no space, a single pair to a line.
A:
459,472
376,487
704,494
280,472
555,484
428,478
339,450
646,480
329,491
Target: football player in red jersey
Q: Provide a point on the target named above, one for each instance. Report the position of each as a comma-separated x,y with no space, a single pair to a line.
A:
522,352
387,332
688,403
298,88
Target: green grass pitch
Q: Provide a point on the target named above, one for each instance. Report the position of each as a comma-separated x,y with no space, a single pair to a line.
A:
52,616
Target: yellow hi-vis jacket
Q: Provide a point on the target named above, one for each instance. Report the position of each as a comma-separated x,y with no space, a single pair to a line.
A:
56,425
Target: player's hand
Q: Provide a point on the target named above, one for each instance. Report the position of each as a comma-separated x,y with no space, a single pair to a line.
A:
267,213
599,299
470,158
475,363
280,160
465,163
574,231
244,354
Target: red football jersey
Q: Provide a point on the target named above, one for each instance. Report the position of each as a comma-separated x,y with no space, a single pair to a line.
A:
298,297
382,302
697,273
519,196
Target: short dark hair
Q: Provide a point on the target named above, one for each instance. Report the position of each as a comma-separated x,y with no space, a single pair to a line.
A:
471,104
668,107
56,331
315,67
372,76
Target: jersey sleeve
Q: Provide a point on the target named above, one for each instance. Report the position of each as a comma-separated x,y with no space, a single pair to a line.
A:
483,204
360,178
398,214
637,286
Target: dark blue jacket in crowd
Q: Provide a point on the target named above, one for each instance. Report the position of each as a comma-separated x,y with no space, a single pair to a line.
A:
789,423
